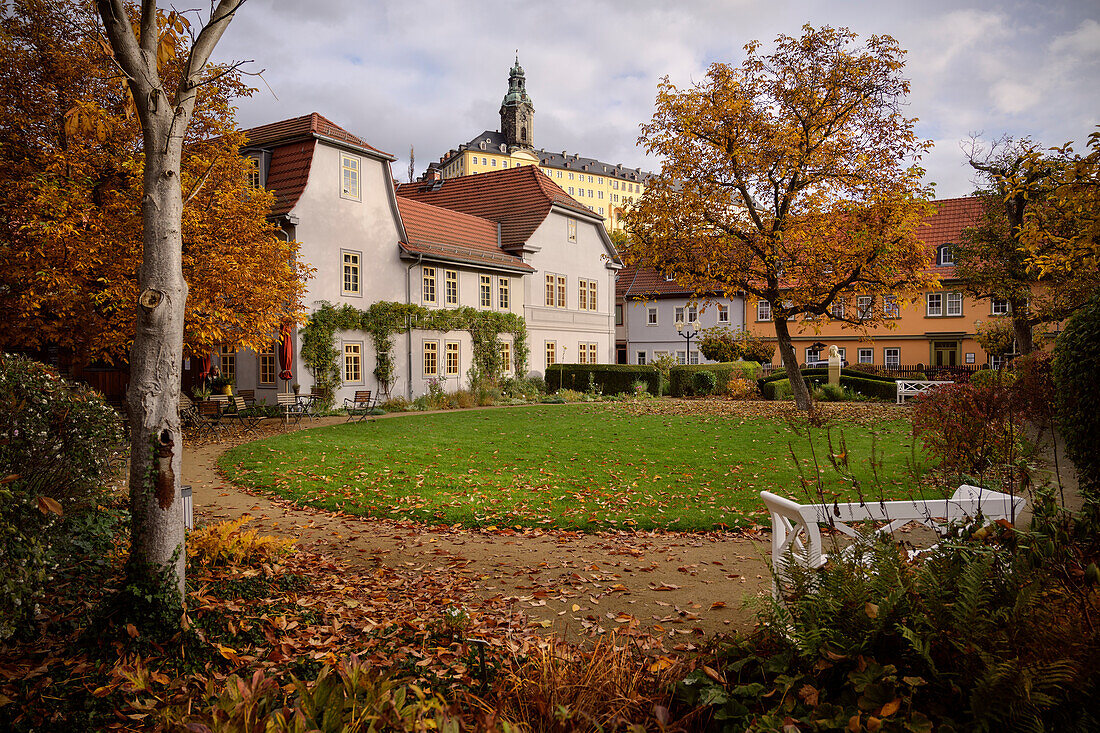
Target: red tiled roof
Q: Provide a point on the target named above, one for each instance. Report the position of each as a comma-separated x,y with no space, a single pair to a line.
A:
284,131
645,282
518,198
288,173
435,231
946,225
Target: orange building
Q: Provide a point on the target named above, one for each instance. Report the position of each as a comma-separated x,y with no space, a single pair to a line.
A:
937,329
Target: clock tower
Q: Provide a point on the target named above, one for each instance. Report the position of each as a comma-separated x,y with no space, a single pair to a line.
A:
517,114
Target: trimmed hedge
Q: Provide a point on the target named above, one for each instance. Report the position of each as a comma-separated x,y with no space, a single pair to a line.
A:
824,372
609,378
779,389
1076,361
681,377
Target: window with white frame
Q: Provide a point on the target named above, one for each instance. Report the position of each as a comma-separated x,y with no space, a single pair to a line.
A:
999,307
431,358
485,291
763,310
450,290
571,226
267,365
946,255
450,358
836,310
863,306
890,307
679,314
996,361
428,279
692,314
349,176
933,304
351,284
504,293
353,363
505,357
641,357
954,304
813,356
723,313
227,357
651,316
681,357
866,356
693,357
891,357
551,351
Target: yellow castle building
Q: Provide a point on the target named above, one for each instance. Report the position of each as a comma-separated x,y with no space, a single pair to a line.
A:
603,188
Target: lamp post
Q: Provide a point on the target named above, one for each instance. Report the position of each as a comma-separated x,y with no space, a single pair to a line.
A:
691,332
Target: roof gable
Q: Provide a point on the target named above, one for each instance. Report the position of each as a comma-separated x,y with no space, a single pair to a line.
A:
434,231
312,125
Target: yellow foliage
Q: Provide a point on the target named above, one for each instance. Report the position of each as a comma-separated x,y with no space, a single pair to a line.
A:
225,543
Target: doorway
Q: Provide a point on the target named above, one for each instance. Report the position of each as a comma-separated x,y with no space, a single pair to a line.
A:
945,353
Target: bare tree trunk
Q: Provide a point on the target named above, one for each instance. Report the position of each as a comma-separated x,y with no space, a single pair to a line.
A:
156,446
790,360
1021,326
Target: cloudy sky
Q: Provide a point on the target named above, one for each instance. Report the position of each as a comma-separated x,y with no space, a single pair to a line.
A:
432,74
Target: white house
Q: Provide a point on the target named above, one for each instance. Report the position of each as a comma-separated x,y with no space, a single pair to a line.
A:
488,242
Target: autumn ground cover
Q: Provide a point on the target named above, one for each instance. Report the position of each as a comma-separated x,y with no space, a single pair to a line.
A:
668,464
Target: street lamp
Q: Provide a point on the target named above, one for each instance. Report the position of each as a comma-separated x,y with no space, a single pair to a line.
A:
691,332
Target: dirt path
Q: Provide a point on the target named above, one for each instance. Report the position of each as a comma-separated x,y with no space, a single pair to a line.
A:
685,585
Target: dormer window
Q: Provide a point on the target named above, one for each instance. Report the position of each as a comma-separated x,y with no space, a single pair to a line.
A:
945,255
255,179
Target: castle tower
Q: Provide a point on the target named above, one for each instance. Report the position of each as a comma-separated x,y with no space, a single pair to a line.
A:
517,114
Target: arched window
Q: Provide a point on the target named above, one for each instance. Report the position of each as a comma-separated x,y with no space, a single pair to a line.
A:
523,134
945,256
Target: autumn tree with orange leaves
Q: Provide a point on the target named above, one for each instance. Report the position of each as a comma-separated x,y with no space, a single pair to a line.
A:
792,178
71,191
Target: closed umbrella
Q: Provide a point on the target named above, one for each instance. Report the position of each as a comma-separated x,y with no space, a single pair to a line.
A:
205,366
286,353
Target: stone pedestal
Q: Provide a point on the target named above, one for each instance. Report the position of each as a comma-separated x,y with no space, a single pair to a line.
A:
834,366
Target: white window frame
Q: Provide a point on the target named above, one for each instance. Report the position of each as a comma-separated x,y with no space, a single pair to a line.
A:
866,356
999,307
891,357
933,305
652,316
763,310
351,268
890,306
353,354
954,305
945,257
816,354
351,177
681,357
693,357
723,313
678,314
836,310
864,304
640,358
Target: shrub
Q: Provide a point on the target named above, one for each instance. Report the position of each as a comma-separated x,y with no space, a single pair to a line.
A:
739,387
831,393
57,440
967,428
606,378
681,376
881,388
991,377
1076,364
779,389
225,543
523,388
704,384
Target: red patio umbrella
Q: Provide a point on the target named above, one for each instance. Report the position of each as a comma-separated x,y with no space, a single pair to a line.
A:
286,353
205,361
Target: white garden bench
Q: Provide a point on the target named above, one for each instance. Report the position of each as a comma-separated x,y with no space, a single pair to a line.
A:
914,387
796,528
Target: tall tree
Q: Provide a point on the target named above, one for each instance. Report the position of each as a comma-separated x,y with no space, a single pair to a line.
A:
165,113
71,195
998,257
792,178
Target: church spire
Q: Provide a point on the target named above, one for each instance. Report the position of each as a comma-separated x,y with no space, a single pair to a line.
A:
517,113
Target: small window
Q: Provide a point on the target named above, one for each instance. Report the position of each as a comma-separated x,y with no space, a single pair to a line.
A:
999,307
582,294
954,304
863,307
505,357
494,163
590,191
651,316
693,357
678,316
504,296
692,314
641,357
485,291
571,193
429,284
618,314
267,365
551,353
254,174
813,356
836,310
933,304
450,292
891,358
681,357
723,313
351,273
227,357
349,176
592,296
451,353
561,292
353,363
946,255
592,353
571,227
763,310
890,307
431,358
550,291
866,356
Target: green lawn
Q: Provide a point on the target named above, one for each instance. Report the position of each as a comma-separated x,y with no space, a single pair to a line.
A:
584,466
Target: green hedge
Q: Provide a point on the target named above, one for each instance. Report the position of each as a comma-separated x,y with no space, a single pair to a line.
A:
681,382
824,372
609,378
779,389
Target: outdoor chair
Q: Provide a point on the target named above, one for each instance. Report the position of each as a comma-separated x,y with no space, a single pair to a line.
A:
248,417
291,407
210,418
189,413
359,406
249,396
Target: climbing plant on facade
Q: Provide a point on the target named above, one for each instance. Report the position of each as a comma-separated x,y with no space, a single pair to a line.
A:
384,319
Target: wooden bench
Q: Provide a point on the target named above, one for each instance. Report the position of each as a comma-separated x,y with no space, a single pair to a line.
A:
914,387
359,406
796,528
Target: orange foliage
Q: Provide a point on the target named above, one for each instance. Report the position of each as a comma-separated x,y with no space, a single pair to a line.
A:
71,186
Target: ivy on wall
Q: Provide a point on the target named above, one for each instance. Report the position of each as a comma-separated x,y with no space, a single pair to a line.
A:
385,319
